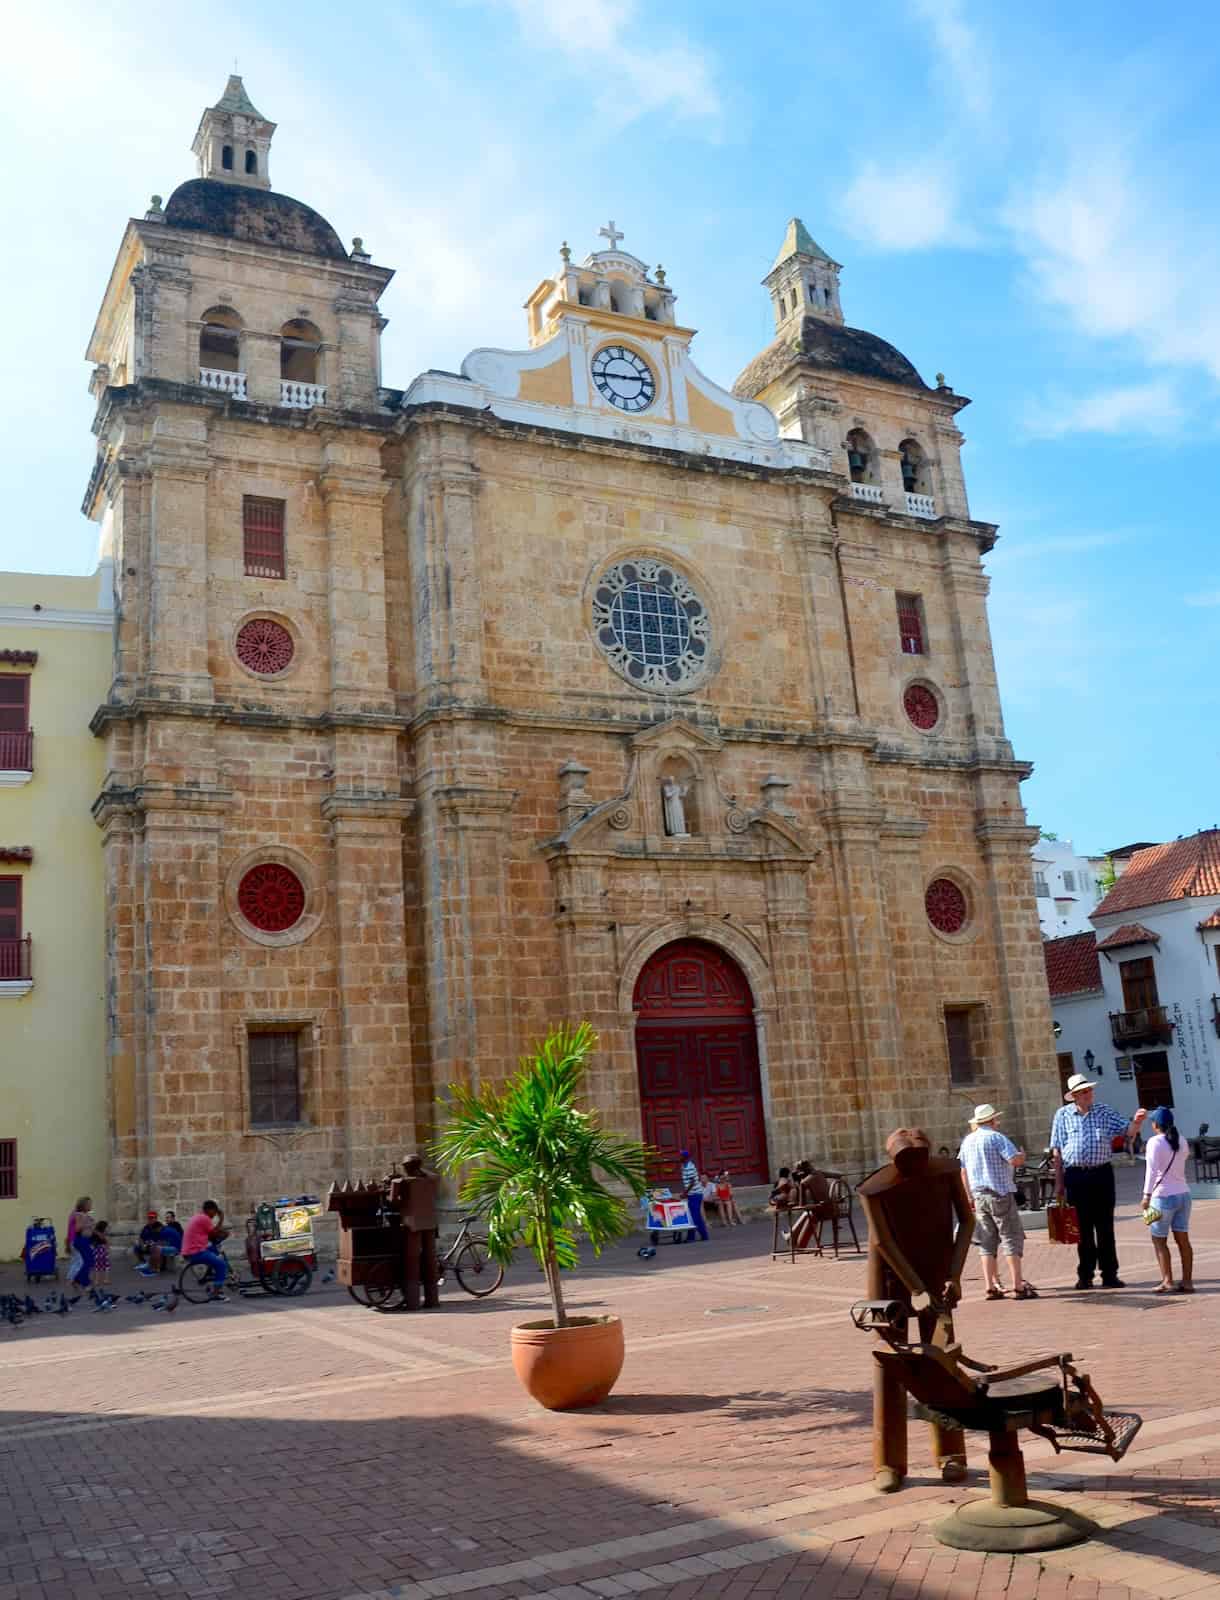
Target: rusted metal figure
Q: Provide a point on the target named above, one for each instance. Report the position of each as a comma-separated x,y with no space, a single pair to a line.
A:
387,1243
913,1206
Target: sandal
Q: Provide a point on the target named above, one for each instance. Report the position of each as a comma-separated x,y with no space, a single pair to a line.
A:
1185,1288
1025,1292
1166,1288
994,1294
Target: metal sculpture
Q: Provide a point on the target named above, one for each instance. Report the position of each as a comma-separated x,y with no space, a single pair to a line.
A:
387,1239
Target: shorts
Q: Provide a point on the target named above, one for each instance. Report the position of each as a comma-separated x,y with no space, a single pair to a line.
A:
1175,1215
996,1222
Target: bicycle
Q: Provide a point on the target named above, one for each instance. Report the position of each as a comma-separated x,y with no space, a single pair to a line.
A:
197,1280
467,1255
471,1260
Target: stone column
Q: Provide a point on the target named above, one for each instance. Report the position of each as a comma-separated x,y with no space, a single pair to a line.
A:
869,1065
353,488
175,559
374,1012
443,551
464,833
1022,1023
827,622
795,1102
124,978
185,1077
966,588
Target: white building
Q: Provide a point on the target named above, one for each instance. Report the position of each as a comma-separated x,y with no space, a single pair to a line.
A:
1138,999
1066,887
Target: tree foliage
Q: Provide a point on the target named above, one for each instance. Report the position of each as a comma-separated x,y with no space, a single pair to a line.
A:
535,1166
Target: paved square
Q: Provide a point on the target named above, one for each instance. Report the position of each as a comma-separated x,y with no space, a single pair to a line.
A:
319,1450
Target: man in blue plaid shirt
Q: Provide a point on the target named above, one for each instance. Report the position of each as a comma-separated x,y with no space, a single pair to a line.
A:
1082,1143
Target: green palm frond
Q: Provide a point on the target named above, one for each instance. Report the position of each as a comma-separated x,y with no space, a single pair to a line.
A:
536,1166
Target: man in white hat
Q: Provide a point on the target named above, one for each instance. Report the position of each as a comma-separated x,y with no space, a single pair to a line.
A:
988,1158
1082,1143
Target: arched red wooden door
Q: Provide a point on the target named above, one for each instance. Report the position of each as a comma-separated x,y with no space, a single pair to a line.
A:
697,1052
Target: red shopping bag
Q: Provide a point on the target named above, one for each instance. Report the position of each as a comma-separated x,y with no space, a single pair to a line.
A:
1062,1223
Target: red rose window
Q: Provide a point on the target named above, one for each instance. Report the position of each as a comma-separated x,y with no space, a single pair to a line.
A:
920,705
264,646
946,906
271,898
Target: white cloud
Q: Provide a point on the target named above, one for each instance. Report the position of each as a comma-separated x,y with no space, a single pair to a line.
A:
651,68
1152,408
961,55
911,207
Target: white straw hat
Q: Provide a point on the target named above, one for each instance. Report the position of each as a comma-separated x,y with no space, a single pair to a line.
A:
1076,1083
985,1113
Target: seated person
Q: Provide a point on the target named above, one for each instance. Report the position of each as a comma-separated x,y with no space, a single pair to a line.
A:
710,1196
816,1202
201,1241
783,1191
150,1237
728,1203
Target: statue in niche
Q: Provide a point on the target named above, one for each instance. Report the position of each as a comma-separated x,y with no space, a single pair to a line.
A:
673,796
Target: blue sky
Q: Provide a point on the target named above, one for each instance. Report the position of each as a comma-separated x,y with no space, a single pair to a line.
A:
1022,198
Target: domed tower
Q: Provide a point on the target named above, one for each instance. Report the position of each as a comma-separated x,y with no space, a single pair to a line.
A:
252,810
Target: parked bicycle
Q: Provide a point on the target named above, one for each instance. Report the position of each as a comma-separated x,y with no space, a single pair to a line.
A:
467,1254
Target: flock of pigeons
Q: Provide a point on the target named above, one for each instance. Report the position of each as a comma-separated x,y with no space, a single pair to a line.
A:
15,1309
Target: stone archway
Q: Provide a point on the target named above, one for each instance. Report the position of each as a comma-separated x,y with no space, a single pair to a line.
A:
696,1051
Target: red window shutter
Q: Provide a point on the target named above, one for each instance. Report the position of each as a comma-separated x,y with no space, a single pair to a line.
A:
263,533
8,1169
10,908
14,702
910,624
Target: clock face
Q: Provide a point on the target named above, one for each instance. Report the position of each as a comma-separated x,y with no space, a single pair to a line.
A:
623,378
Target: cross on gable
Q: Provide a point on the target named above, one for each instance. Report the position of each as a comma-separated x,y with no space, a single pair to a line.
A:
612,233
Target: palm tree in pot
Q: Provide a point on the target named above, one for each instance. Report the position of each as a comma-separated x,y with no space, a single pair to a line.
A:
537,1168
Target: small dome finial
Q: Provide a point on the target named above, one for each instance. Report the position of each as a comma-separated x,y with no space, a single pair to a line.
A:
659,274
154,212
565,252
940,381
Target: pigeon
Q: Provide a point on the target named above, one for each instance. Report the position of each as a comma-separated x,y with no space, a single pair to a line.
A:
136,1299
173,1302
329,1277
31,1310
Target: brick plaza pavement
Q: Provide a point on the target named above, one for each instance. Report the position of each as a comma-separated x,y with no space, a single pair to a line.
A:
317,1451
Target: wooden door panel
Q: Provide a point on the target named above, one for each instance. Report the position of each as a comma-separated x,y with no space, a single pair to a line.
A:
662,1054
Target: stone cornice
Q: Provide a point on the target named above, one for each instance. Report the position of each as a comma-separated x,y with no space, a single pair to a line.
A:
350,803
241,716
1000,831
170,799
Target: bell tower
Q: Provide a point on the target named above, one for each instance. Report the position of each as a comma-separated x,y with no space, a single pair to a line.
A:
233,140
804,282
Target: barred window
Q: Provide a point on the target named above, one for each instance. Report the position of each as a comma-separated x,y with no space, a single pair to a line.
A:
8,1169
275,1078
263,533
910,625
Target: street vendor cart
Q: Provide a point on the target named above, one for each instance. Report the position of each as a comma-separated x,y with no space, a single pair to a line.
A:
280,1248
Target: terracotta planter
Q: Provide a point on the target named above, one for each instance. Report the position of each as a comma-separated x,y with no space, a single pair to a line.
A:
563,1368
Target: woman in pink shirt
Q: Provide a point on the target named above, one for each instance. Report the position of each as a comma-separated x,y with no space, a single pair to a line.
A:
1167,1192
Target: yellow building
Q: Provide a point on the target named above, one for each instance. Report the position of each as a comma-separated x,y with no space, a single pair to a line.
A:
55,648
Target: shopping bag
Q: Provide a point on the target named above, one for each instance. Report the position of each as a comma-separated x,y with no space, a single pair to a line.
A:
1062,1223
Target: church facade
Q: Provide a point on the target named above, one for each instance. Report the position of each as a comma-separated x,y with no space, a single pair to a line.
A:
570,685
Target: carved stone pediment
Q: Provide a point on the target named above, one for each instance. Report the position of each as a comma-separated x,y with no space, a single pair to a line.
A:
674,806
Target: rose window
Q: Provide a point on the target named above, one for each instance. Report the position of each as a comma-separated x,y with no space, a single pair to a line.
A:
264,646
946,906
651,624
921,706
271,898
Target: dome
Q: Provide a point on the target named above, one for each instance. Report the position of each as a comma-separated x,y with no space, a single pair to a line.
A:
260,216
830,345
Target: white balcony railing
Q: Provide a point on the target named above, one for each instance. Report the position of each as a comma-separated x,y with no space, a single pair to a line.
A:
921,505
301,396
867,491
233,383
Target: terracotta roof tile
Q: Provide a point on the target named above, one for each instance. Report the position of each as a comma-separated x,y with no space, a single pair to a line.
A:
1072,965
1129,933
1211,922
1175,871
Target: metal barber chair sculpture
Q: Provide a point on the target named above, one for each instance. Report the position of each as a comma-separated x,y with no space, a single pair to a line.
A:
1047,1394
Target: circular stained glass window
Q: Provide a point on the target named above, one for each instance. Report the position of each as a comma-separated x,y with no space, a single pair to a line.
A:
264,646
651,624
271,898
921,707
946,906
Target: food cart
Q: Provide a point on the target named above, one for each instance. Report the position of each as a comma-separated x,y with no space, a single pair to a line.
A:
280,1247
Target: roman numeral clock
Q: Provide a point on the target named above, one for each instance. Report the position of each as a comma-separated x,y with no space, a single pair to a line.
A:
623,378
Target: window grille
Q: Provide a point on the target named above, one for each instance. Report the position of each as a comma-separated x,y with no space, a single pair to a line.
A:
275,1078
263,531
8,1169
910,624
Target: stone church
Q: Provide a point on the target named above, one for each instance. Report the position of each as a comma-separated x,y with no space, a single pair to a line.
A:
569,685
